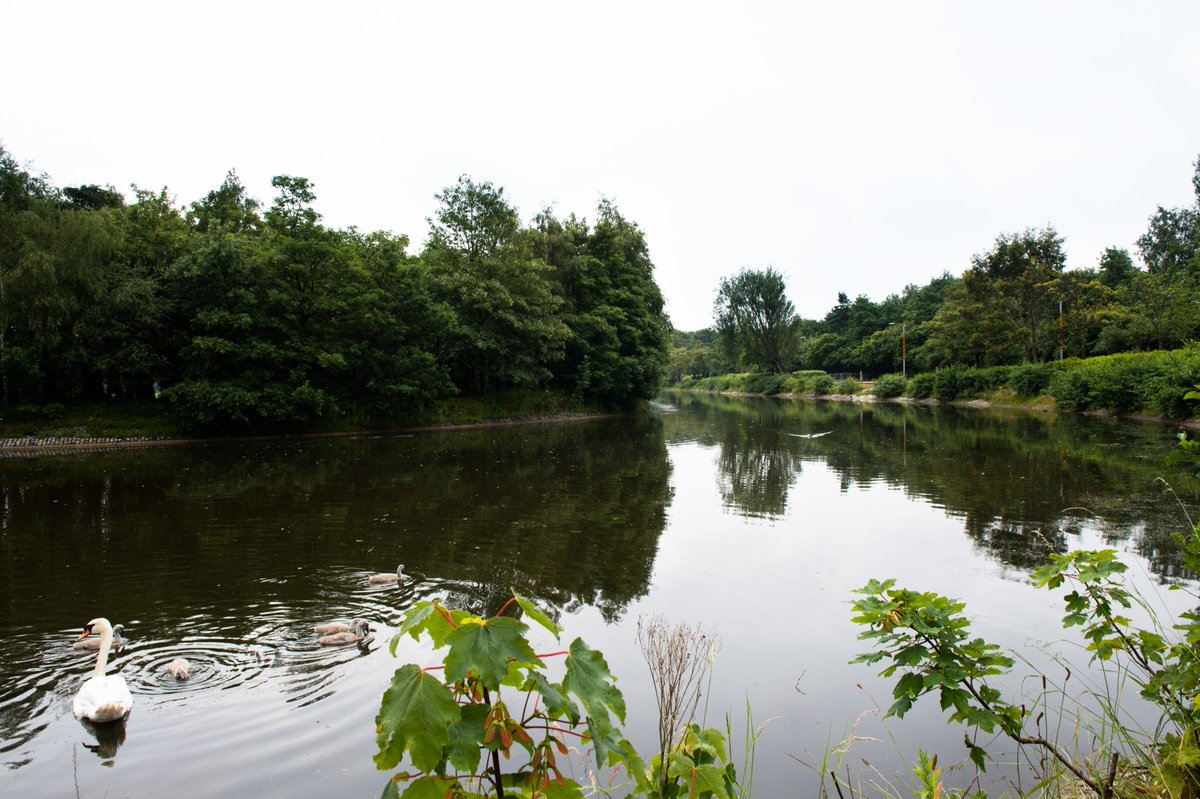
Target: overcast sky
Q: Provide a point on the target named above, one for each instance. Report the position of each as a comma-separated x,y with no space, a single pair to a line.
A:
853,146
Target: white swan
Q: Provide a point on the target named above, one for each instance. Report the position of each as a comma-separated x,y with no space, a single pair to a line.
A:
94,643
398,577
102,697
340,639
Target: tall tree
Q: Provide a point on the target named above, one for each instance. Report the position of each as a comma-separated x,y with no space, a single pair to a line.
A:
509,329
756,319
617,348
131,334
1172,242
1116,268
1010,285
226,207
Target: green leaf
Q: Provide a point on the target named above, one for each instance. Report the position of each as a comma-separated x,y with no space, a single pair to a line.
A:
604,737
430,788
554,697
466,737
427,617
568,790
390,791
532,612
624,752
700,780
977,755
911,684
589,679
486,647
414,715
712,741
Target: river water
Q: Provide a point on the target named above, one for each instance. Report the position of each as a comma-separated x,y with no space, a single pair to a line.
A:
753,518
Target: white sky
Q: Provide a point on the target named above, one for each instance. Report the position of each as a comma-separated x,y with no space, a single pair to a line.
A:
853,146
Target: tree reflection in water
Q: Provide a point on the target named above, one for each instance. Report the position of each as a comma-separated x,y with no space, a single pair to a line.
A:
1023,483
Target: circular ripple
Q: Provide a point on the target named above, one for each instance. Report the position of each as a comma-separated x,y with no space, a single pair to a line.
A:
214,664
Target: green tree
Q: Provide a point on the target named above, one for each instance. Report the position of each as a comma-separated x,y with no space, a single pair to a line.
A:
755,319
56,260
1171,244
226,207
474,219
1005,310
1116,268
267,311
130,331
94,197
617,348
1085,309
393,332
1163,310
509,329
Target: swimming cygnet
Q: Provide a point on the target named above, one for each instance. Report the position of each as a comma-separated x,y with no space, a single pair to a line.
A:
335,627
398,577
94,643
340,639
179,668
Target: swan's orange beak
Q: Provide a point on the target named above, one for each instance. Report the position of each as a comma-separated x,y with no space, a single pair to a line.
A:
83,635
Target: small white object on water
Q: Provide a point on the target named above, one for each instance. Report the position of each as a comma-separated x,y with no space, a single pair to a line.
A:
179,668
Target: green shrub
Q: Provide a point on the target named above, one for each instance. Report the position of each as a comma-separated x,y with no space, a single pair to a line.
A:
50,411
1032,379
1069,389
772,384
1142,381
823,385
849,386
1167,398
801,382
959,382
952,383
888,386
921,386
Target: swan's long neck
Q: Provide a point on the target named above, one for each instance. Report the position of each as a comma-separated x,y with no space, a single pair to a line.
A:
106,639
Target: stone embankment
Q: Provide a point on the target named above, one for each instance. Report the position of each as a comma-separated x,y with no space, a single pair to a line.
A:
20,446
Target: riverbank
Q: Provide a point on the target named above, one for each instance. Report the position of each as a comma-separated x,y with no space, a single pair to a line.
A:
1041,405
150,425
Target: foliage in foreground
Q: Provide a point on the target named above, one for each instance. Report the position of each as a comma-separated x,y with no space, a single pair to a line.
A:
492,696
925,639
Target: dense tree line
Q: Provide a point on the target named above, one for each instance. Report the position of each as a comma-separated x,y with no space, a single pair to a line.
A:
1016,303
250,317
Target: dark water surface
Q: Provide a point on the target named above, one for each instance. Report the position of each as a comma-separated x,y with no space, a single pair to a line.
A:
756,518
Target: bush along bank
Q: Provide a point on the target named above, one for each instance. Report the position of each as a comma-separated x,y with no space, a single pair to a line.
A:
1155,383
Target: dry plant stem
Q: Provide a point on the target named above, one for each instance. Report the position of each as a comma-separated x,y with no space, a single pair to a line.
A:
678,658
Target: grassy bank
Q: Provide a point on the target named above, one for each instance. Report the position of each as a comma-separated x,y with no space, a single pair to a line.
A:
154,418
1130,383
